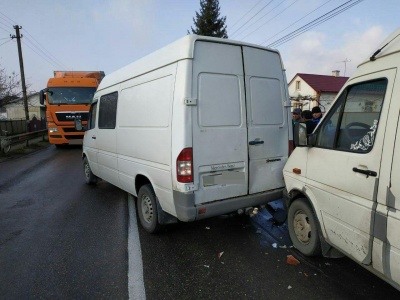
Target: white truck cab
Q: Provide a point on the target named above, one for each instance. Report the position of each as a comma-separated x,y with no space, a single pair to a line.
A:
194,130
343,180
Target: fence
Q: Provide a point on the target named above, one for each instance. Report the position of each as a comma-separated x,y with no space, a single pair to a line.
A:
14,127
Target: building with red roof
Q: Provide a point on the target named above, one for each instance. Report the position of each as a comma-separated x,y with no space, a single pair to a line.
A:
309,90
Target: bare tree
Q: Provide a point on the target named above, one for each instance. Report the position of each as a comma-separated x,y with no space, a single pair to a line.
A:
10,87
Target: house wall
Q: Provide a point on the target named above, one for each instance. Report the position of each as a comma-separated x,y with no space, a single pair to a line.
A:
17,110
305,89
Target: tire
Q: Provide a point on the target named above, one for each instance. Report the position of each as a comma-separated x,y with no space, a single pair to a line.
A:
147,209
7,148
90,178
303,228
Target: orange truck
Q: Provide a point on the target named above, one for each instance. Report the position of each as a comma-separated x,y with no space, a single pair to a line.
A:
68,97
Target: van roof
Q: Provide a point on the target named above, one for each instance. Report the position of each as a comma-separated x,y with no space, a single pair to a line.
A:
178,50
393,46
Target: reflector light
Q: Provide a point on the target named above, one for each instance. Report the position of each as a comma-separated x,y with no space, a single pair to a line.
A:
296,171
202,211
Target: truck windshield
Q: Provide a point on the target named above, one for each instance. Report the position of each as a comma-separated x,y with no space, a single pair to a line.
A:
71,95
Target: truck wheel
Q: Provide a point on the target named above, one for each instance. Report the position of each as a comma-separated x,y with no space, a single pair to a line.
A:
90,178
303,228
147,209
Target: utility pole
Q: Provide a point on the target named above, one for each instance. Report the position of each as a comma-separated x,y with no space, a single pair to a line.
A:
21,66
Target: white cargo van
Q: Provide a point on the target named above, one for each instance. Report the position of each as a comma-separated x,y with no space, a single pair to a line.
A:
343,180
196,129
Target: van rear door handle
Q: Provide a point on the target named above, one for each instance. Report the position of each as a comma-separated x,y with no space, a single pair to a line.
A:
365,172
255,142
93,137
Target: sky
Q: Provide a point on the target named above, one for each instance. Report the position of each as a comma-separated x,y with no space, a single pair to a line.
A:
109,34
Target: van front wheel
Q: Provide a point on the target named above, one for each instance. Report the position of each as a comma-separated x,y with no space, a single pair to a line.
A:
303,228
89,176
147,209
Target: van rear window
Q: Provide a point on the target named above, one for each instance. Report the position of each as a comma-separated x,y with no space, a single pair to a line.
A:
266,101
219,100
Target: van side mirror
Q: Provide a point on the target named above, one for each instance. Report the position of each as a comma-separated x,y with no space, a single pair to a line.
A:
301,138
79,126
300,135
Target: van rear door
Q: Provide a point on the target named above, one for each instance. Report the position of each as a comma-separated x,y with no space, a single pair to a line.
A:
240,129
266,119
220,157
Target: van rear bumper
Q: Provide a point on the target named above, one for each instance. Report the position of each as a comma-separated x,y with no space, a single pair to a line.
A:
187,211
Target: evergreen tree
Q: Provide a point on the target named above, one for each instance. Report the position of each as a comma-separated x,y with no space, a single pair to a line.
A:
208,22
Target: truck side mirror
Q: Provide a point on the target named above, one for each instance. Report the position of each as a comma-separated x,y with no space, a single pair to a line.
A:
41,97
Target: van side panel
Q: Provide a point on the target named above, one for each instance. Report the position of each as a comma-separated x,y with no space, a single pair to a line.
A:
144,132
182,120
220,162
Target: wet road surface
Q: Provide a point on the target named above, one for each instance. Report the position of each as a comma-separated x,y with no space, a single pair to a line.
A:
60,238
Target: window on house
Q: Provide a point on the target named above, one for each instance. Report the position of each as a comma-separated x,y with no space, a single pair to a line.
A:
298,85
353,121
108,111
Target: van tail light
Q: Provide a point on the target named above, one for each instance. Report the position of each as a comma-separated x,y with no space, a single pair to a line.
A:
291,146
184,163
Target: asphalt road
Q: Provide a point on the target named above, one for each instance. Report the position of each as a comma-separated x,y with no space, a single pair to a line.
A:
62,239
59,238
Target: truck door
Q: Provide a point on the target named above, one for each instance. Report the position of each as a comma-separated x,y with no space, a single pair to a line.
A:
220,157
266,119
343,169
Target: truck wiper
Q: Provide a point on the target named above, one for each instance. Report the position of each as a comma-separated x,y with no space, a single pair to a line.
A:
373,57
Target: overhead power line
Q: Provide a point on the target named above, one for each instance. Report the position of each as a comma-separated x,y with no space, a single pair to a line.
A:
245,14
6,42
44,51
244,28
281,12
42,56
253,16
7,19
295,22
338,10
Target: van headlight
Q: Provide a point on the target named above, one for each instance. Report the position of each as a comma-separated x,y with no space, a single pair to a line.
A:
53,129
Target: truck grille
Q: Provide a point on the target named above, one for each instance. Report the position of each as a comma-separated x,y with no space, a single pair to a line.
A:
71,115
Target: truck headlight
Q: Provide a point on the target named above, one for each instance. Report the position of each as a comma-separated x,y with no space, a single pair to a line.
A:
53,129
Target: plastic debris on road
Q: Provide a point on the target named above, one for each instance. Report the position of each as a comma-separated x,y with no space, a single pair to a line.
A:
206,266
220,254
289,287
208,228
275,245
291,260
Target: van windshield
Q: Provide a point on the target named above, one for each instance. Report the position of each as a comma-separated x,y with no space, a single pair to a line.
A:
71,95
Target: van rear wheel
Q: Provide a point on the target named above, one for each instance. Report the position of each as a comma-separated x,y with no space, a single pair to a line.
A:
147,209
303,228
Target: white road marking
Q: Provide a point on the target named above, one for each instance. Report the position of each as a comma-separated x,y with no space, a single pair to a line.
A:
135,265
